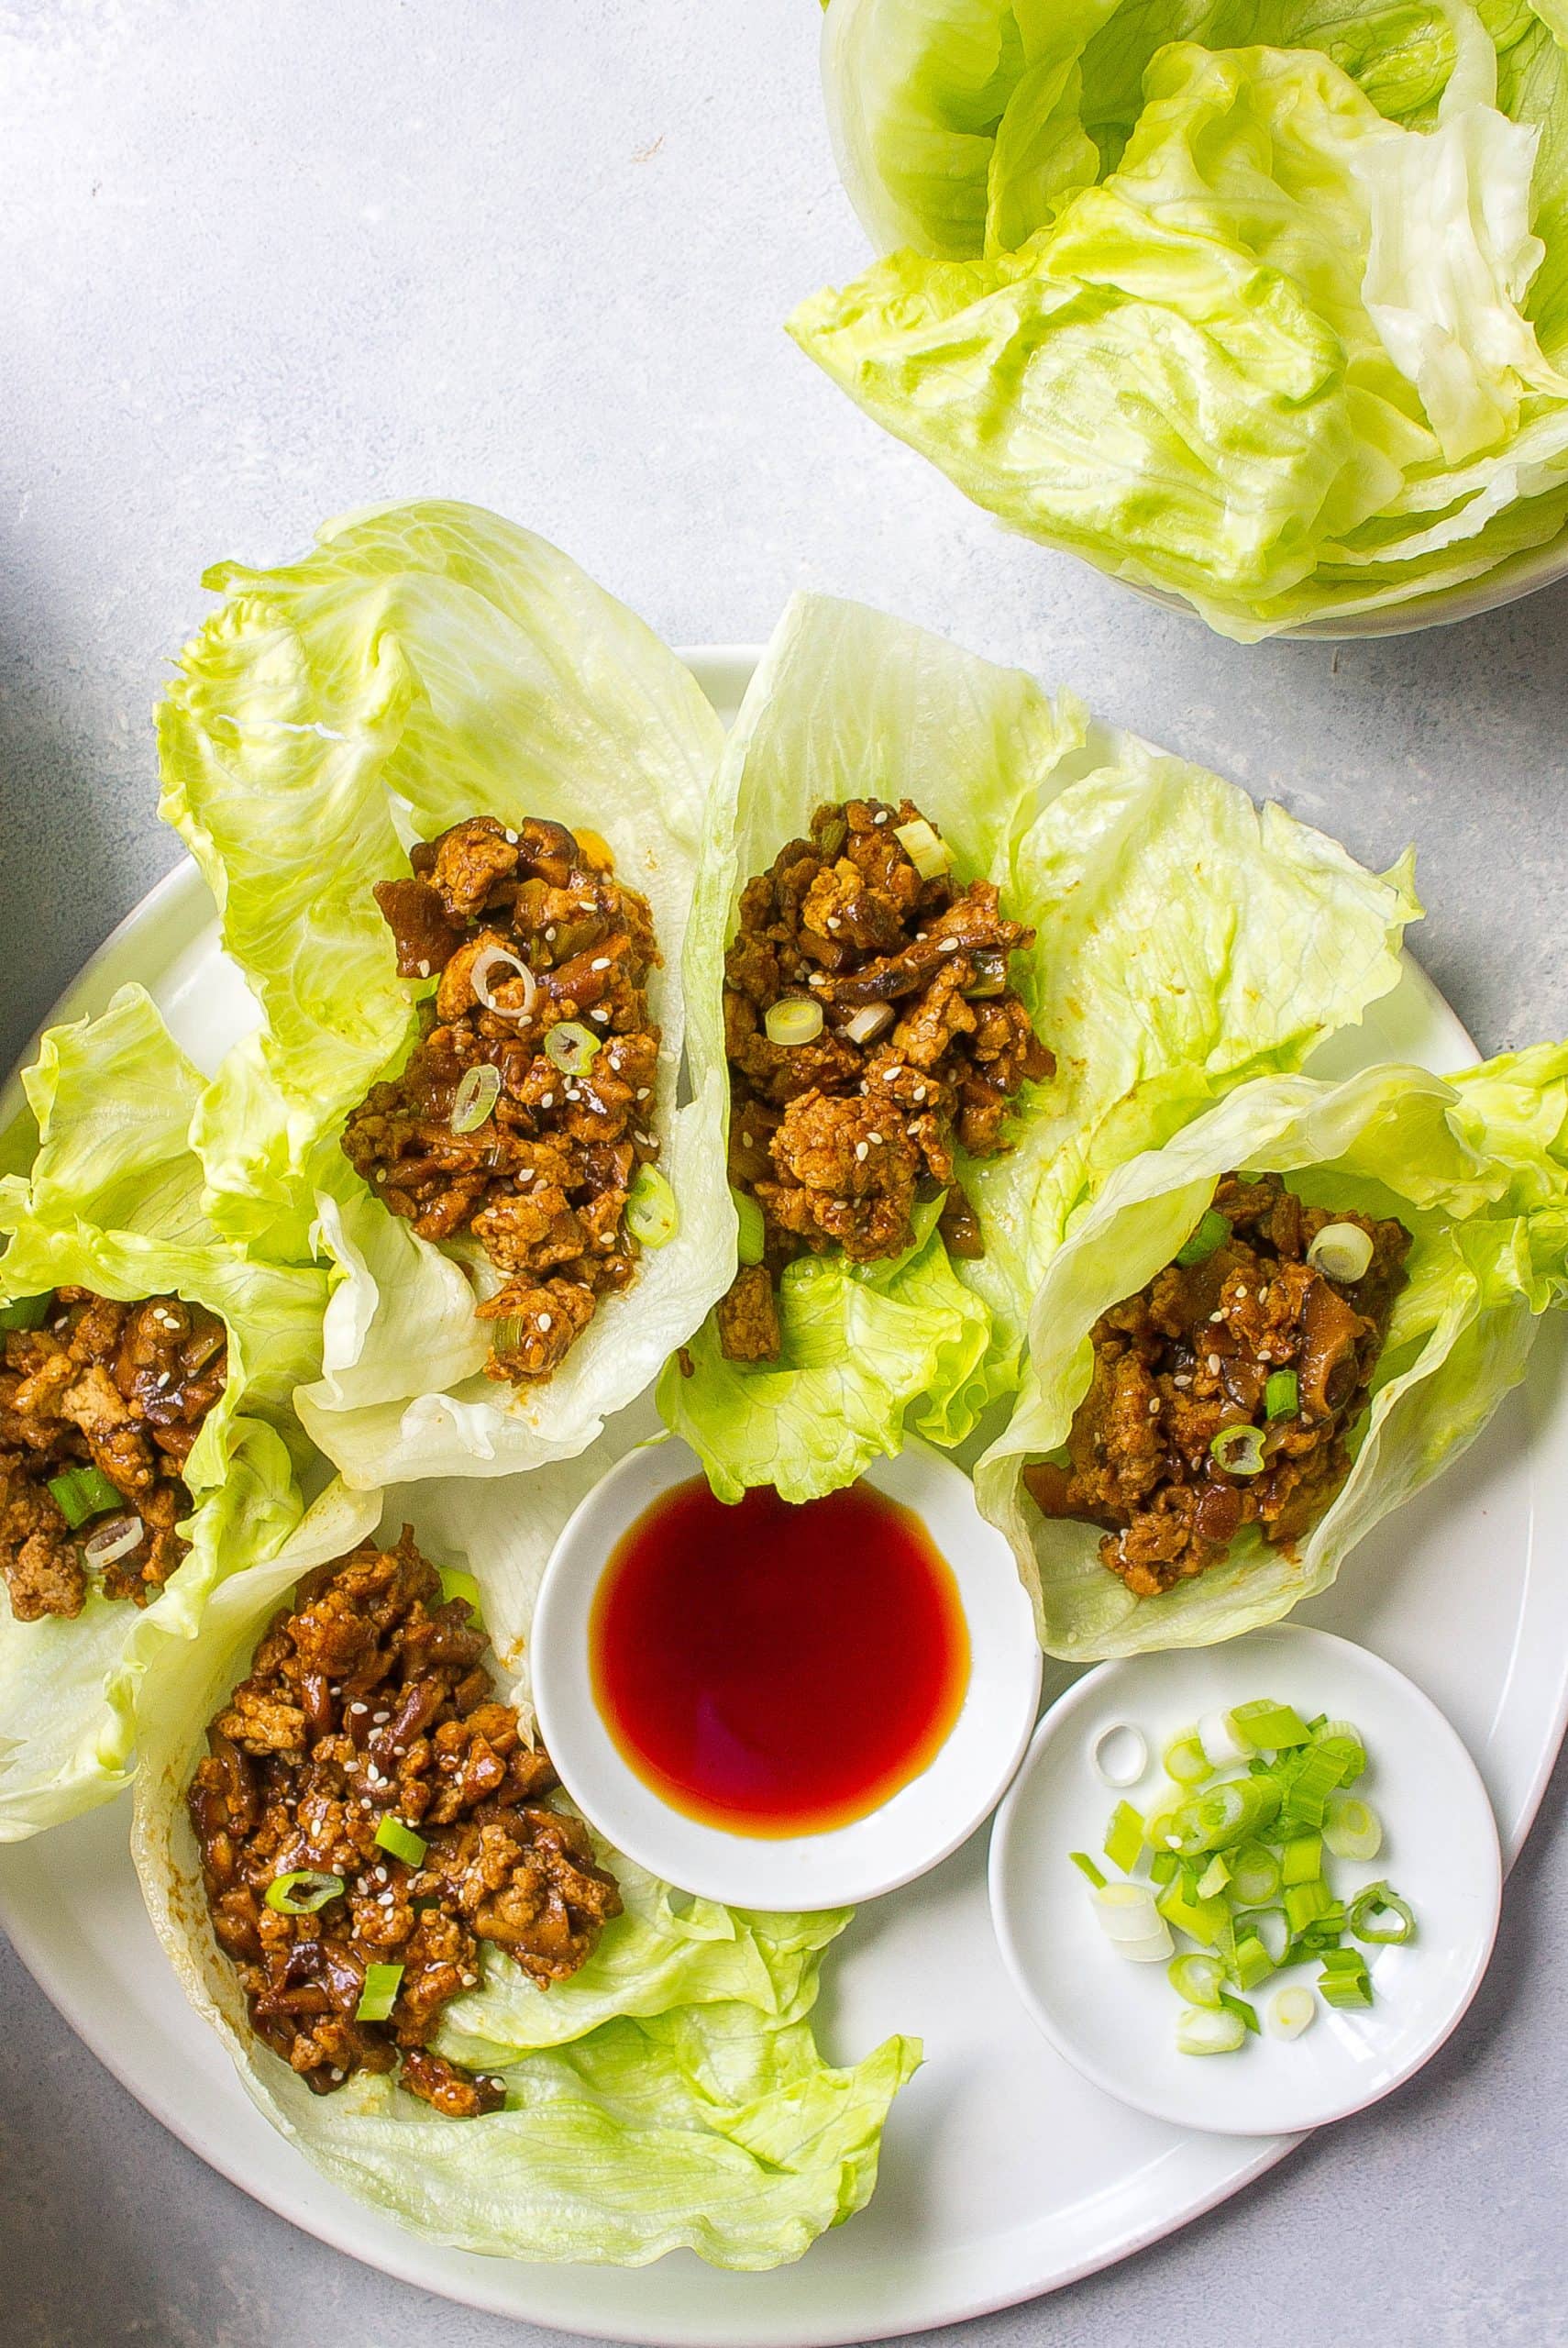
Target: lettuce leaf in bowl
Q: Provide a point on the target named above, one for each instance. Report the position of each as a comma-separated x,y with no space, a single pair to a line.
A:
423,664
1477,1169
670,2094
1186,941
113,1203
1277,328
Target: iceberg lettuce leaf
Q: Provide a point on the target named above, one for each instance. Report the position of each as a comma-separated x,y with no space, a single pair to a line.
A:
113,1203
425,663
1476,1170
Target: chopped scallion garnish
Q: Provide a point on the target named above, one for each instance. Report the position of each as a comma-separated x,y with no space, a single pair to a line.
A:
82,1493
1086,1865
26,1312
303,1891
1281,1395
379,1994
1266,1727
1351,1828
1380,1917
1212,1232
458,1583
1124,1837
1198,1979
401,1841
1185,1759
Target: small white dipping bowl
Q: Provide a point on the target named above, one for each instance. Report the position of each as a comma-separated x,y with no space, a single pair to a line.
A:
908,1833
1115,2021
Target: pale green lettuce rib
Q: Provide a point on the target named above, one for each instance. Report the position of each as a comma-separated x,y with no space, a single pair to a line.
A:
1184,941
671,2094
1475,1167
424,663
114,1203
1239,301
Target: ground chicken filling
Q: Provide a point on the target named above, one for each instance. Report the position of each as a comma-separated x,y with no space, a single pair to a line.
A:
100,1404
1194,1353
542,958
370,1707
916,1043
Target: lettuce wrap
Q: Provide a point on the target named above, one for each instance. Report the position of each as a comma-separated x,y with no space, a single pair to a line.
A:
1280,330
1186,941
426,663
669,2094
1477,1169
113,1203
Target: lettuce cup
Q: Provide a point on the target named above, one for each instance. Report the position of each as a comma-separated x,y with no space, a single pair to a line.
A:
449,797
976,950
1261,1338
146,1367
449,1993
1261,306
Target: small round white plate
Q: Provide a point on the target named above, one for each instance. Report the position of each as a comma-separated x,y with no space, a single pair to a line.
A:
908,1834
1115,2022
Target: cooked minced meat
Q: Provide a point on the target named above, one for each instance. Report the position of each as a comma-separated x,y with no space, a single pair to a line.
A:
370,1700
119,1388
543,1181
1193,1353
921,1046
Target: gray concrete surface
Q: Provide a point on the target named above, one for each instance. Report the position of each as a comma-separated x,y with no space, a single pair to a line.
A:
266,261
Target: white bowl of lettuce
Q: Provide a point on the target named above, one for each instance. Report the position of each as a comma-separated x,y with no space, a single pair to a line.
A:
1278,332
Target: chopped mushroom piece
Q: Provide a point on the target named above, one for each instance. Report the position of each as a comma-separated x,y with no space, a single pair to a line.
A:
922,1046
541,1176
369,1709
1192,1355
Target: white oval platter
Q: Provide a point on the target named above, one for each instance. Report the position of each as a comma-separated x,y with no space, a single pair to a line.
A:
1004,2173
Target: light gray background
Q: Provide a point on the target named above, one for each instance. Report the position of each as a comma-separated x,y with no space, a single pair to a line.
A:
264,260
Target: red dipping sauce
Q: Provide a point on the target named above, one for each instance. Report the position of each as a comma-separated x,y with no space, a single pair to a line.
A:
773,1668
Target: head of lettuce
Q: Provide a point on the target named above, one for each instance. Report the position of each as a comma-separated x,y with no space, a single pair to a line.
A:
111,1204
425,667
1184,941
1276,327
1475,1169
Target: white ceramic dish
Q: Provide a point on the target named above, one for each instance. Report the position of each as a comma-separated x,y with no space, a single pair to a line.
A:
1116,2022
922,1824
1004,2172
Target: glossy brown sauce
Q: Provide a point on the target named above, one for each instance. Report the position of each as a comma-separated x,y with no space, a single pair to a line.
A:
777,1669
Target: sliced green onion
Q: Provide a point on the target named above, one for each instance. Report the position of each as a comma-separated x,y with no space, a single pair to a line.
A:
1301,1859
1202,1920
1086,1865
1266,1727
1244,2014
400,1841
303,1891
456,1583
27,1313
1251,1962
380,1993
1351,1828
652,1216
1124,1837
573,1048
1126,1912
82,1492
1305,1903
1344,1739
1381,1917
1211,1233
496,957
1306,1796
1342,1251
1269,1926
1224,1815
1255,1875
1121,1754
1198,1979
475,1097
1281,1395
1199,2032
1220,1741
1344,1984
1163,1866
1290,2012
1214,1878
1239,1450
1185,1759
751,1235
794,1019
925,848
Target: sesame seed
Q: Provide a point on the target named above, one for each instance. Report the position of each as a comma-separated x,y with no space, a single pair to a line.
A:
424,967
338,2076
862,1149
379,1717
947,945
1214,1364
1216,1316
1181,1378
599,1012
381,1173
1240,1293
545,1323
602,963
816,980
881,818
1154,1406
550,934
642,1092
834,921
546,1100
163,1379
357,1708
510,839
920,1092
469,1981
